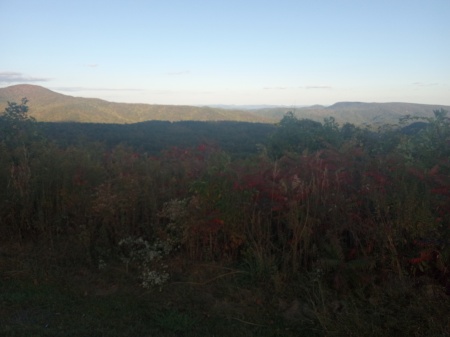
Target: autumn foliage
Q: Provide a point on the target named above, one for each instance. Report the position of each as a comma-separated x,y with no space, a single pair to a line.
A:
361,208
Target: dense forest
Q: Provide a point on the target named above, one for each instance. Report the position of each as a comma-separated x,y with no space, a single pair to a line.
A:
327,229
152,137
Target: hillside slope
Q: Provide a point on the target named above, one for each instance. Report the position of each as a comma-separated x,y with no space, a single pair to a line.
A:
357,113
48,106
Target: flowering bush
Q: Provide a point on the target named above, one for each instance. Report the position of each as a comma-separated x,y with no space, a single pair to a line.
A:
148,258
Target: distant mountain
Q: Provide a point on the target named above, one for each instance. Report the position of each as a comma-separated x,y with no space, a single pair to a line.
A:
357,113
251,107
379,113
48,106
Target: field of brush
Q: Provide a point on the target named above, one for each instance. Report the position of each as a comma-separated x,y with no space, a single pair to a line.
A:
305,228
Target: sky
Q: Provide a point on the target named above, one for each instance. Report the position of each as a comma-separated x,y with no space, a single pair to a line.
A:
234,52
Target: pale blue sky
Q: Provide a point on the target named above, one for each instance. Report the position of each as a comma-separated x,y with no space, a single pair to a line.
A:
230,52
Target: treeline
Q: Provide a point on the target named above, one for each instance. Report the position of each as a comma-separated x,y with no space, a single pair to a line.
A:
238,138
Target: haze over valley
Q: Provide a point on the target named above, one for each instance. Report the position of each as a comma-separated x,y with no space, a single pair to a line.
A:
49,106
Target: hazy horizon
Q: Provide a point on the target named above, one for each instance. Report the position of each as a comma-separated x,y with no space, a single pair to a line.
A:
283,53
230,106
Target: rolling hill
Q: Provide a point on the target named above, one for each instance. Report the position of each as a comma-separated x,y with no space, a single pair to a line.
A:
357,113
48,106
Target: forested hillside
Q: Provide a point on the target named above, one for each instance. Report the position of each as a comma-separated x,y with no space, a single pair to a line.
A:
358,113
49,106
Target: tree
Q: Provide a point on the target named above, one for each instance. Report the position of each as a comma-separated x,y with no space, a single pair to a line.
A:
17,112
297,135
300,135
16,126
431,141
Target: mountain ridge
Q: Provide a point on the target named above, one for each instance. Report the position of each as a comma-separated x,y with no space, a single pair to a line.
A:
49,106
358,113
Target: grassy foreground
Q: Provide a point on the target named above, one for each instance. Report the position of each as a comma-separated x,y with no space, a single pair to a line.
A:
52,296
210,301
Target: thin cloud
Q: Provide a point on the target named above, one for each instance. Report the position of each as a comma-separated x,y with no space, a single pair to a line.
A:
91,65
15,77
422,84
75,89
321,87
275,88
180,92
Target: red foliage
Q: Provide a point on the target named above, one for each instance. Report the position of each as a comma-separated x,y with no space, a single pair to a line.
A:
416,173
445,190
79,178
290,181
424,255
